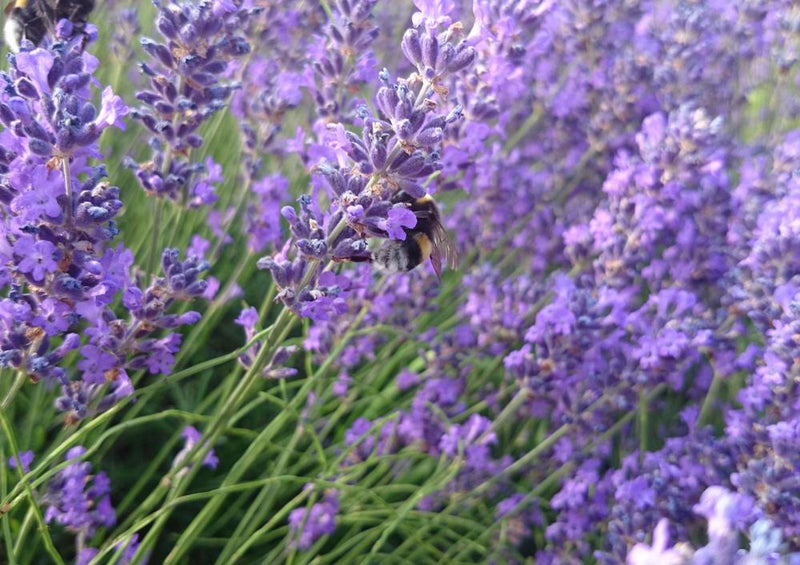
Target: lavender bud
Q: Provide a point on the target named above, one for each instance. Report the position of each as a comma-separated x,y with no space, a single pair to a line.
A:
40,147
430,50
411,47
430,136
387,100
282,275
35,130
157,51
27,89
463,58
411,167
197,288
412,188
314,248
166,26
455,114
378,155
7,117
404,130
283,354
446,53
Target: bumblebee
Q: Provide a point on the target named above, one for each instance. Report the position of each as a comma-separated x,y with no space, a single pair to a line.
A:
34,19
426,240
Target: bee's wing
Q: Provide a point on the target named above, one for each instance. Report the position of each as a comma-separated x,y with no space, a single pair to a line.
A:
442,246
46,10
443,250
72,9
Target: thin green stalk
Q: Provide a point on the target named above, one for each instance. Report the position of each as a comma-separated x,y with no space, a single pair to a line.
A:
47,466
27,521
205,365
510,409
19,380
44,532
448,474
550,480
154,256
282,325
536,114
32,417
241,466
352,546
133,493
263,500
528,458
144,394
711,397
276,518
534,453
643,429
196,337
7,538
120,428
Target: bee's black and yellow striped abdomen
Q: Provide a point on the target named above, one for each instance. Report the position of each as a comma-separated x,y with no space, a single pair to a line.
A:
422,242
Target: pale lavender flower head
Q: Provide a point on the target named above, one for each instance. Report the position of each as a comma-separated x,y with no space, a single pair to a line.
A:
727,514
433,13
658,553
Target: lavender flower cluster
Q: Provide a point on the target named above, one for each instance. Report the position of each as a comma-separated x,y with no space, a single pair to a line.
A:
186,72
609,150
397,150
62,271
612,374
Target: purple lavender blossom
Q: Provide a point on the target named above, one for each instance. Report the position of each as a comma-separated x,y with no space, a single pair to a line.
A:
397,221
62,273
397,149
78,500
307,525
187,70
341,60
191,437
25,458
248,318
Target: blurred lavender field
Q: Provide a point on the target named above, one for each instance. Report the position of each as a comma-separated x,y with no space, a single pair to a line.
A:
207,357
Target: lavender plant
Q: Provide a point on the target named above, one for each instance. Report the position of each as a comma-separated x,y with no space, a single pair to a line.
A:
193,298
